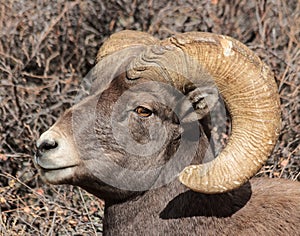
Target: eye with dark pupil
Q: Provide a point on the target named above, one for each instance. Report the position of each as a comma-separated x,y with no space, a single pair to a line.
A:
143,111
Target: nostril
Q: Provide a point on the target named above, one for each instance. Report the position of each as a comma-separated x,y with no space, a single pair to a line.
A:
47,145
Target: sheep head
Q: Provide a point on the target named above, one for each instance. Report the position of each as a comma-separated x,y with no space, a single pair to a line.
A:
139,126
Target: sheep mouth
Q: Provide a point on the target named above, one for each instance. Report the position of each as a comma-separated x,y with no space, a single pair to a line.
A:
45,168
56,174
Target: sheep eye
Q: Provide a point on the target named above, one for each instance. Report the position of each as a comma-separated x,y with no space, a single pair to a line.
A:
143,111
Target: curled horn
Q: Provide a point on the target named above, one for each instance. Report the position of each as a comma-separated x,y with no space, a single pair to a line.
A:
247,87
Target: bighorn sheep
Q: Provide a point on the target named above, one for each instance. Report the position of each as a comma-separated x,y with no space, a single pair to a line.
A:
138,141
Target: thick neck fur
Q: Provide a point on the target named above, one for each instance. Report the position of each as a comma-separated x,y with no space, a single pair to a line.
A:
255,208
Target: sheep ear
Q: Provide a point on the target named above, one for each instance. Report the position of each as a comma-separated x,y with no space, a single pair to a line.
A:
203,101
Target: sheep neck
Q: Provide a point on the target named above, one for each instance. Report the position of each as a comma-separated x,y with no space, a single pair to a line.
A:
171,205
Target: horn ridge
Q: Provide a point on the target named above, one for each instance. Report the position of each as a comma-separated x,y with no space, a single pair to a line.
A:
250,92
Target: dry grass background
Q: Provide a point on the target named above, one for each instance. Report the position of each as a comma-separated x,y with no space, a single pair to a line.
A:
46,48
